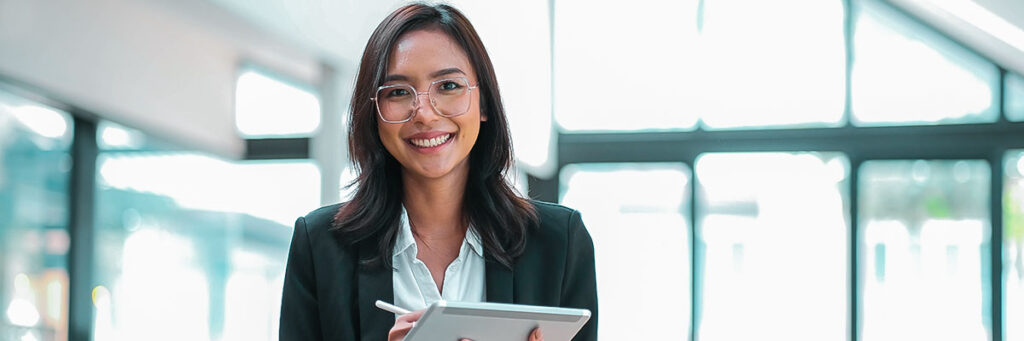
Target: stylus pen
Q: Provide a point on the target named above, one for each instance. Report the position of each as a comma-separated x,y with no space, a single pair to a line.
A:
391,307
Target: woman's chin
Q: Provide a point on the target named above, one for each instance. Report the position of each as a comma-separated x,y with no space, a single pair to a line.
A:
429,171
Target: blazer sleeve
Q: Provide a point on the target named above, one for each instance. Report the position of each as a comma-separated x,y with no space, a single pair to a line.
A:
300,316
579,289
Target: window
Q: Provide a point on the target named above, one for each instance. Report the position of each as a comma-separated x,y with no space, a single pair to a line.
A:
637,215
35,167
774,231
730,64
1013,246
904,73
923,228
625,68
192,241
266,106
769,63
1014,97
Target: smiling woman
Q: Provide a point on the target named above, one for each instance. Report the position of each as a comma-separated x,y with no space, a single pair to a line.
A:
432,216
417,132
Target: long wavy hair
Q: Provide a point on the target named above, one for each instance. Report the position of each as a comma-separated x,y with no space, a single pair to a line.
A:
498,214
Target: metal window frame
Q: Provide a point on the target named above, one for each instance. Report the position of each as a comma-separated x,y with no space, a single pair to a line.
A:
981,141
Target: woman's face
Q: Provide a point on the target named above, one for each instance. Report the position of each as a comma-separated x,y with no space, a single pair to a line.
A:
430,145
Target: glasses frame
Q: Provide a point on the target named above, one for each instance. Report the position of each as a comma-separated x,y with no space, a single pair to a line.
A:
416,98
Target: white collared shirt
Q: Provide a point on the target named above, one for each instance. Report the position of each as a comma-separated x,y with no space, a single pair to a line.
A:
464,280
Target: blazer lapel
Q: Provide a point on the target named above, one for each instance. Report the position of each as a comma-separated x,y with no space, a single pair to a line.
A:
499,282
375,283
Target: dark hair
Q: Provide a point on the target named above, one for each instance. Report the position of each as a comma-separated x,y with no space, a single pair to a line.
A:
500,216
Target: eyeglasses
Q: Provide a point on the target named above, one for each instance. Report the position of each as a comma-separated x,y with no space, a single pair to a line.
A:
398,103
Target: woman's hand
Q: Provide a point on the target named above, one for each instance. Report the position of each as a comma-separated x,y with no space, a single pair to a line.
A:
535,335
403,324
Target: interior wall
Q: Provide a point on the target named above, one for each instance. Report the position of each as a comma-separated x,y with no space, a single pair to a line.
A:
130,62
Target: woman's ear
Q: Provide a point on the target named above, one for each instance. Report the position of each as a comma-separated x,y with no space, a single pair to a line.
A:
483,117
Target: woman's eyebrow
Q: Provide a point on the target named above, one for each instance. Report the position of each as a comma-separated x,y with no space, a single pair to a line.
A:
447,71
393,77
435,74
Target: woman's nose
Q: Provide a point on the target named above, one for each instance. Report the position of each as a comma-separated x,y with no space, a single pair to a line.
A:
424,107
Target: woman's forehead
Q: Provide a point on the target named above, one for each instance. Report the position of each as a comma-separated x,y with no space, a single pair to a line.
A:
419,53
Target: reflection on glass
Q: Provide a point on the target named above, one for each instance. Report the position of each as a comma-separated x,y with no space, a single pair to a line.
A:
34,241
637,216
1013,246
923,237
193,242
905,73
265,106
774,230
634,72
771,63
1014,97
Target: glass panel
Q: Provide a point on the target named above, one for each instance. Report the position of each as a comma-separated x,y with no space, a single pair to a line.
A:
266,106
196,243
639,210
772,63
634,72
1013,246
35,167
905,73
923,228
1014,97
775,236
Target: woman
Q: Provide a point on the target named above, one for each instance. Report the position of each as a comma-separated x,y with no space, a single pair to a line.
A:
433,216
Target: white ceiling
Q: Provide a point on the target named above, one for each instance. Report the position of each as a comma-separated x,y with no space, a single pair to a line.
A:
993,28
1011,10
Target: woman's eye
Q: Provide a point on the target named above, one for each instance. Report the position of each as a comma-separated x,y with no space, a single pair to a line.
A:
398,92
449,85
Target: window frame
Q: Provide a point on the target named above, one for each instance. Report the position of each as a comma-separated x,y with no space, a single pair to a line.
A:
911,141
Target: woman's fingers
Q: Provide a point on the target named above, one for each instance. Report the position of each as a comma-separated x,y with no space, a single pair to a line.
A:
536,335
403,324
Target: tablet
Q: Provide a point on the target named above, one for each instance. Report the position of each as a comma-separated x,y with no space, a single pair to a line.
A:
485,321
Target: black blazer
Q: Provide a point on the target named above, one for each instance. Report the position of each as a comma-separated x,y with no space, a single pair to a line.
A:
328,297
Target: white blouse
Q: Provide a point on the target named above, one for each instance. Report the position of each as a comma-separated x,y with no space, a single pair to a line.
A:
464,279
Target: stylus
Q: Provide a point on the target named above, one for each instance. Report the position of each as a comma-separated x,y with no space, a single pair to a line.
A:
390,307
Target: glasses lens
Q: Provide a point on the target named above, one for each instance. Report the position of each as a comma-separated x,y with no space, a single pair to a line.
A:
450,96
396,103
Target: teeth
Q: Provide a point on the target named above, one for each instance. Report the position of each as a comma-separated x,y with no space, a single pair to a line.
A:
434,142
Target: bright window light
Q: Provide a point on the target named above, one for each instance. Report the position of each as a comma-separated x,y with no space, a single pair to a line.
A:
640,210
201,182
905,73
626,68
924,225
115,136
771,63
774,231
47,128
1013,245
265,106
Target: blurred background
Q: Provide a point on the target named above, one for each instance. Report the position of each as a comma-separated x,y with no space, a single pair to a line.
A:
797,169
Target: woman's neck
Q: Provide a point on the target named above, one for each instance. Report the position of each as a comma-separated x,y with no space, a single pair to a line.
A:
435,205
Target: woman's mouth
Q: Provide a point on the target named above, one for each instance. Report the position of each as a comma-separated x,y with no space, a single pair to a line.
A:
431,143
